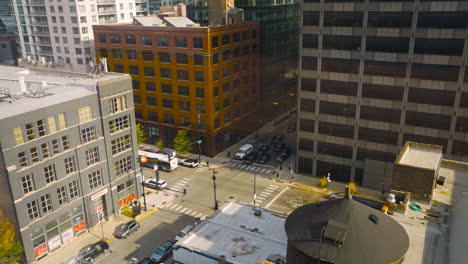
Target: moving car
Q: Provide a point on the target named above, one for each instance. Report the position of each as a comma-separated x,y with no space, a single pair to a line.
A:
279,148
244,151
251,158
264,158
183,232
264,148
127,228
157,185
192,163
164,251
92,251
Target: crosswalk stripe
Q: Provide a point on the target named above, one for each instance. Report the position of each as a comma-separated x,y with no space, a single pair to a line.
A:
268,171
232,165
243,166
183,211
198,215
188,212
273,187
257,169
263,170
177,208
265,194
193,213
172,206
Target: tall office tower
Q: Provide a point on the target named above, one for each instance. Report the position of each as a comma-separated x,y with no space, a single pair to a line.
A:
187,77
68,154
375,74
7,17
279,49
60,34
197,10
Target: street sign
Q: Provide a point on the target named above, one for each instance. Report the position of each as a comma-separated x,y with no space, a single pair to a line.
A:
255,196
143,159
155,168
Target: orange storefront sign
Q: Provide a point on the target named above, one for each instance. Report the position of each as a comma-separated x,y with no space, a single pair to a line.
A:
131,197
79,227
122,202
40,250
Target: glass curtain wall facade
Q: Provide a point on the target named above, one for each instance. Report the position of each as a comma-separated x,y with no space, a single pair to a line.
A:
376,74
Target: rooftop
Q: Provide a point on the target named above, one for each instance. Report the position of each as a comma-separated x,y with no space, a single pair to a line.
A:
238,234
42,88
420,155
453,179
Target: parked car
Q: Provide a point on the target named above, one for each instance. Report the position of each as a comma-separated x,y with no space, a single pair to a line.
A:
264,158
277,138
251,158
192,163
164,251
90,252
279,148
244,151
284,155
157,185
292,127
127,228
183,232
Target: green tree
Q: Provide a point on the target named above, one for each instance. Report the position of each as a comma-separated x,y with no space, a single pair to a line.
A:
10,247
182,142
323,182
140,134
160,144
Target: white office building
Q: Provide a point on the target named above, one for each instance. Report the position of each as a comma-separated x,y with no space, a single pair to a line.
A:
58,33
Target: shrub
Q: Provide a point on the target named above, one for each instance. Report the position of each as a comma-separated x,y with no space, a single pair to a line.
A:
352,187
323,182
127,211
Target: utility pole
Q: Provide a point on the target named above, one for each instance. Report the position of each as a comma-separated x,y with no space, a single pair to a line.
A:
143,159
199,141
255,191
214,190
156,175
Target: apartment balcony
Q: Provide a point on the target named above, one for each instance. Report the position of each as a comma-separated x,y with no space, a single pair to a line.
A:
45,52
38,13
106,12
35,2
43,43
40,23
41,33
108,21
106,2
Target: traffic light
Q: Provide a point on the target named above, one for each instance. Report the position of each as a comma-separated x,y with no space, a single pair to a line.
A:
199,142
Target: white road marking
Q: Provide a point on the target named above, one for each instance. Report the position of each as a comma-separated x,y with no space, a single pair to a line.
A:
243,166
198,215
262,170
265,194
178,208
189,211
268,171
276,197
184,210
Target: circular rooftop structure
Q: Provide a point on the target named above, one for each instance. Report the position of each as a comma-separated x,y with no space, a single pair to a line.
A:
344,231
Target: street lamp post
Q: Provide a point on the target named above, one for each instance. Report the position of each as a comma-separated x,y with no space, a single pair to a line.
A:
214,190
143,159
199,141
156,175
255,191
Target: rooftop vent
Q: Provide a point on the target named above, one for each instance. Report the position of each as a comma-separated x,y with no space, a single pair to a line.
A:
374,218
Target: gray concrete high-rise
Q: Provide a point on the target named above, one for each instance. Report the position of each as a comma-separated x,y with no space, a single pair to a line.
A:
375,74
68,154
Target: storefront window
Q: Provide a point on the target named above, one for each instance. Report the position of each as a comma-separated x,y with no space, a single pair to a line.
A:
53,238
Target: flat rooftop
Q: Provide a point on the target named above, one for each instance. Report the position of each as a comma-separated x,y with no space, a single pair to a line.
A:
453,176
232,233
43,88
421,155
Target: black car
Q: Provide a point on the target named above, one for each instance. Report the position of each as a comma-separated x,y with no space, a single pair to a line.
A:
277,138
284,155
126,229
251,158
264,148
279,148
92,251
264,158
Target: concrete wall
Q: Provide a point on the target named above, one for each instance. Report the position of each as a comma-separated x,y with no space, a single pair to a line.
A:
420,182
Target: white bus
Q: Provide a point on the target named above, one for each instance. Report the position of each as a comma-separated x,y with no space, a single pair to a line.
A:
162,160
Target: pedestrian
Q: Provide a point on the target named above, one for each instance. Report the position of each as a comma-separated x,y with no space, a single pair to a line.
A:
207,163
277,175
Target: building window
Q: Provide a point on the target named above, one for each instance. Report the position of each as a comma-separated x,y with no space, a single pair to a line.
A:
55,146
200,108
166,88
184,106
182,75
30,131
137,99
226,39
198,60
33,210
130,39
45,150
133,69
180,42
120,144
73,189
149,71
164,58
216,91
69,165
199,77
181,58
152,116
147,55
167,103
227,102
163,41
226,72
197,43
49,173
123,166
18,133
117,104
150,87
62,195
115,39
88,134
102,38
168,119
214,42
118,68
245,35
151,100
92,156
117,54
46,203
146,41
66,142
200,92
28,184
85,114
52,125
183,90
41,128
118,124
226,55
34,155
95,179
165,73
153,132
62,121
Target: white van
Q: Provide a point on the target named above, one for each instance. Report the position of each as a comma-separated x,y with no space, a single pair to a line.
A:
183,232
244,151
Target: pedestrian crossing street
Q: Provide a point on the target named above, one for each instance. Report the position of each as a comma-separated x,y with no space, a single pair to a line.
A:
184,210
253,168
265,194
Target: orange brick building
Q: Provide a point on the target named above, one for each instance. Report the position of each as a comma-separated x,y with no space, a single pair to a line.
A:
201,79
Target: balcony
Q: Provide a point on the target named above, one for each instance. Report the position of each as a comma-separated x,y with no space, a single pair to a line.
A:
106,2
106,11
44,43
41,33
45,52
108,21
35,2
38,13
40,23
